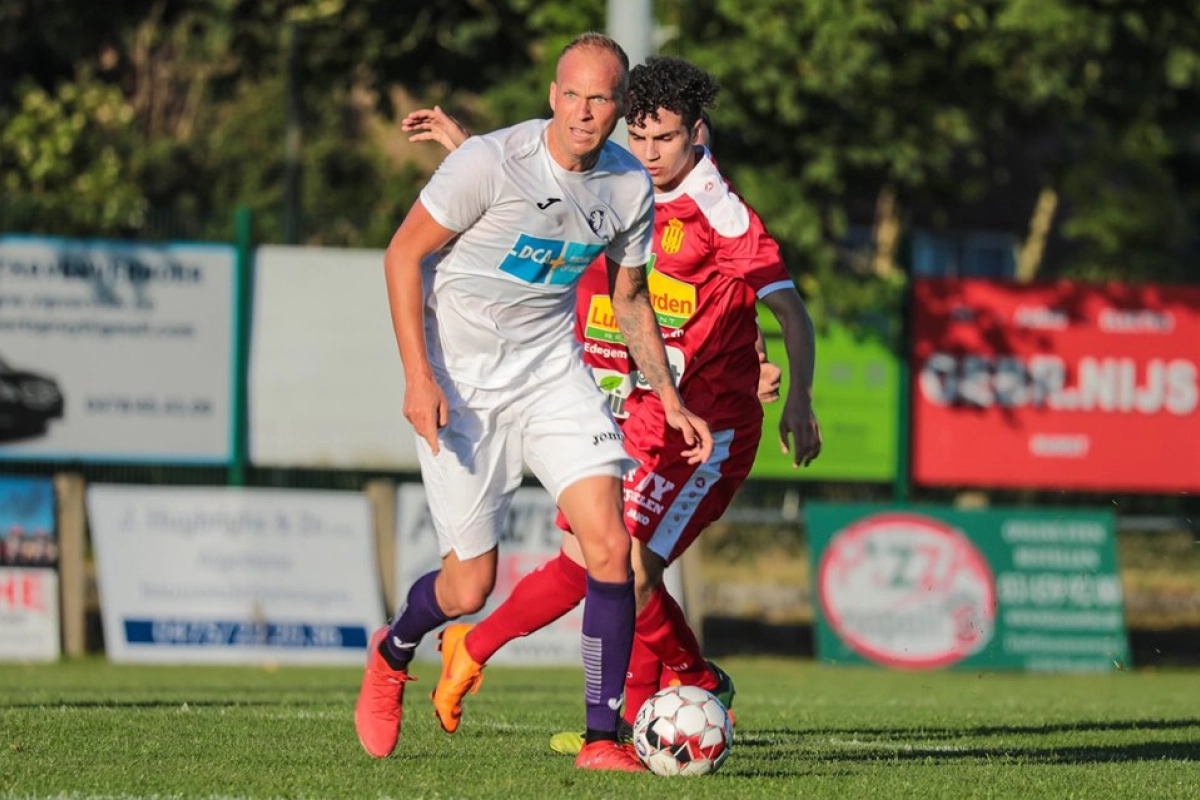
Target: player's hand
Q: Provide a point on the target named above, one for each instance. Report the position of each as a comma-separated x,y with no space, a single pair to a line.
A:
426,408
769,378
433,124
695,432
800,423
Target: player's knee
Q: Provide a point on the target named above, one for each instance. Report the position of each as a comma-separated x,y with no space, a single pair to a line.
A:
608,554
470,599
466,595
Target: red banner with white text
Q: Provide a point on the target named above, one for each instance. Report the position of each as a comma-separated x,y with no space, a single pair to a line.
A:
1056,386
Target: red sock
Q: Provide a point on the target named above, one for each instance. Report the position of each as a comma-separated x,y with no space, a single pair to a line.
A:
538,599
664,629
645,672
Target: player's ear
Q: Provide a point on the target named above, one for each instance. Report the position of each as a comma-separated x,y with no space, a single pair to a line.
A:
553,94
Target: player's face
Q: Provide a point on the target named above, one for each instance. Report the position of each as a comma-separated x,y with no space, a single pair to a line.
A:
666,148
586,101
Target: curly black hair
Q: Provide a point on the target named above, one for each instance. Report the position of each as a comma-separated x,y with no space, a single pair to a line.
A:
672,84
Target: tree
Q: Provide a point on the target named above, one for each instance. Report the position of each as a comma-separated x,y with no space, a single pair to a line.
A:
63,160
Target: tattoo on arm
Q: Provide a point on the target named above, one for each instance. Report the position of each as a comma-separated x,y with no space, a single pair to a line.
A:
635,317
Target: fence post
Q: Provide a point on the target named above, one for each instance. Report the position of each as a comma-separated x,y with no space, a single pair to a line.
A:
381,494
691,567
72,574
244,236
901,487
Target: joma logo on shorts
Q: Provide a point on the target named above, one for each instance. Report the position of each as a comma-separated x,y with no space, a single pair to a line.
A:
612,436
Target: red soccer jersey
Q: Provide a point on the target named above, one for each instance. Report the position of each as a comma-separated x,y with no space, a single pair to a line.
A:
712,258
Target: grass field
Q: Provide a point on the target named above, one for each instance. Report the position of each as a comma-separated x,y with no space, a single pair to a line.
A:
90,729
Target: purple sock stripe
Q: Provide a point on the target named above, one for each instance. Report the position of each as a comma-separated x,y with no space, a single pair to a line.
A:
592,653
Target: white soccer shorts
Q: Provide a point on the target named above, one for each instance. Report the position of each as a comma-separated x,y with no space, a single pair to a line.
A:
558,424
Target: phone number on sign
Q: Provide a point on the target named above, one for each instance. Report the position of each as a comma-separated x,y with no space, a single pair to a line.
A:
242,634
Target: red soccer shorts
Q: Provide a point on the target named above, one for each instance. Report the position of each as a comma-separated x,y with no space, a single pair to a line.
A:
668,501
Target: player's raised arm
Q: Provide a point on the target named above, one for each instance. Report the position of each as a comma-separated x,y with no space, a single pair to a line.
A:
434,125
635,317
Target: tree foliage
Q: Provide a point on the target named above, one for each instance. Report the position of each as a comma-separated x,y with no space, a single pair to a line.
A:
968,108
837,117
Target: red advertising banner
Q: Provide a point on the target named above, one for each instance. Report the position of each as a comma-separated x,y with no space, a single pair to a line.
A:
1056,386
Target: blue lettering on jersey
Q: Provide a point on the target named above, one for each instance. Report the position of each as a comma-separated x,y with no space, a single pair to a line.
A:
548,261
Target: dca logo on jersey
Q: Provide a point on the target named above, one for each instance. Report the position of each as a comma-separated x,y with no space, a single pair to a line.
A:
548,261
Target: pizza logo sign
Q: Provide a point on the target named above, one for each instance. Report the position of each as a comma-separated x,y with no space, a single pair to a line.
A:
907,591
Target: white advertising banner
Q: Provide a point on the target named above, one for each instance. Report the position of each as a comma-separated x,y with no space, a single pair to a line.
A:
530,537
29,619
116,351
326,385
214,575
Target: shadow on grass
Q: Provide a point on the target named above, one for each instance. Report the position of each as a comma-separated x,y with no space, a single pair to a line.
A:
150,704
1008,730
911,744
1088,754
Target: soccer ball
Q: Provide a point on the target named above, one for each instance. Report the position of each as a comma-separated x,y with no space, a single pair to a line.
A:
683,730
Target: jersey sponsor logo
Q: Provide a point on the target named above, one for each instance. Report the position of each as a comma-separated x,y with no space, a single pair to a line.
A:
548,261
549,201
673,300
676,362
617,386
672,236
601,321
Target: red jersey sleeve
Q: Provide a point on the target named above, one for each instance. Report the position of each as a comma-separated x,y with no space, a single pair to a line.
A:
743,249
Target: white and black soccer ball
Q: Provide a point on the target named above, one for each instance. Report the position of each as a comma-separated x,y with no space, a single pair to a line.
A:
683,730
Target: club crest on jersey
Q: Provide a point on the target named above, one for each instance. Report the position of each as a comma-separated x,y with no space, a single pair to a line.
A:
548,261
596,220
672,236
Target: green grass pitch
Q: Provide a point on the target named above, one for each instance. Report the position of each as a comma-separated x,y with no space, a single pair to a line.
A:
90,729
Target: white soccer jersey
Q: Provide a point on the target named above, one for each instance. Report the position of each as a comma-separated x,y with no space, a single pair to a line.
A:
503,300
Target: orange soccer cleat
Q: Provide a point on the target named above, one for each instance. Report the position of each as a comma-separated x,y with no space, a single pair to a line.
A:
460,674
380,704
608,755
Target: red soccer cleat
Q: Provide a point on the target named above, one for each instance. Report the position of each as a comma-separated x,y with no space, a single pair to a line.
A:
612,756
380,704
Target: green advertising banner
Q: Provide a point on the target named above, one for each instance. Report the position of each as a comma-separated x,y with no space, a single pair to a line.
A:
856,394
929,587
